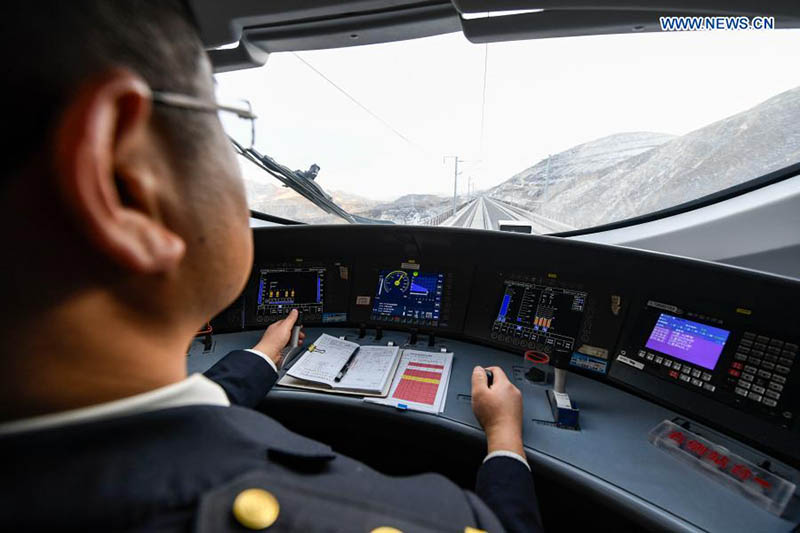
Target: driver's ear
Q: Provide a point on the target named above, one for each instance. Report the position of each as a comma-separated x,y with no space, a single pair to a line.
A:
108,178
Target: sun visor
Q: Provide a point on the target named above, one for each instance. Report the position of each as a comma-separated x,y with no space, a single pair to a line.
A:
789,8
243,55
485,21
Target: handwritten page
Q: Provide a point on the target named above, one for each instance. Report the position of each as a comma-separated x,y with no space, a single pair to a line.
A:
323,360
371,369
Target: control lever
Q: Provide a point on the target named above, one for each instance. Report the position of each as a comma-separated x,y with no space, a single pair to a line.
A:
294,341
378,333
565,414
413,338
560,361
431,339
362,330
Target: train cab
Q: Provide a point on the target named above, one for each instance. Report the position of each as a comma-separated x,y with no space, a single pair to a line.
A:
601,200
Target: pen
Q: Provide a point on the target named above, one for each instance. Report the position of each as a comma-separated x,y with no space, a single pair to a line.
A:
346,366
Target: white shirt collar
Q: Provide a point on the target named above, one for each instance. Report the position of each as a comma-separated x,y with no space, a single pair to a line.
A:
194,390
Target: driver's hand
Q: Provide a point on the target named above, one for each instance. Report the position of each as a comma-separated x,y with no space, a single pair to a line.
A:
277,336
498,409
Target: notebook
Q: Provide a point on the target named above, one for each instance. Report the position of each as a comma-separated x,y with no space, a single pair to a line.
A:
369,374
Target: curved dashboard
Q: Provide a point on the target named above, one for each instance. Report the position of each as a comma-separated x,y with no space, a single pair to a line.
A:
712,343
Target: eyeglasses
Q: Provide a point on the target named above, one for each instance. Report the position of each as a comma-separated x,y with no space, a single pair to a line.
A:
238,122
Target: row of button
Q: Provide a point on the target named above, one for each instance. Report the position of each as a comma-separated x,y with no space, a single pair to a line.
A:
404,320
770,399
737,368
771,393
763,344
674,374
536,341
745,354
680,371
763,339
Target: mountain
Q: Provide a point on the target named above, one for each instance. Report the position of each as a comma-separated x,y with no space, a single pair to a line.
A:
725,153
409,209
277,200
586,159
284,202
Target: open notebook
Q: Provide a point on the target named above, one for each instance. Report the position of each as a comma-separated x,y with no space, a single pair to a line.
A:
370,373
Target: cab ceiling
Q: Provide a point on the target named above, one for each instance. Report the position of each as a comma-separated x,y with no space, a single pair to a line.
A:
248,30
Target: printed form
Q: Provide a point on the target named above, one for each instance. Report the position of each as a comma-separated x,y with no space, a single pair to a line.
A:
420,383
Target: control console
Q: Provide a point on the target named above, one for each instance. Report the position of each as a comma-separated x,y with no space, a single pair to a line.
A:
714,356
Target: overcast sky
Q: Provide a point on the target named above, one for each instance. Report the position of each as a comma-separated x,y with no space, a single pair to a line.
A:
542,96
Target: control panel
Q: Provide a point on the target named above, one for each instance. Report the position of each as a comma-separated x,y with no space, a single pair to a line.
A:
714,356
539,317
713,342
318,290
281,289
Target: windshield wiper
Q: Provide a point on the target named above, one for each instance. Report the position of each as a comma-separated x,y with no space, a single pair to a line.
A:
305,187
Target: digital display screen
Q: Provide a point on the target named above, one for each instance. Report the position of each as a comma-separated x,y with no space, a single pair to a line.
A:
539,316
692,342
408,297
282,289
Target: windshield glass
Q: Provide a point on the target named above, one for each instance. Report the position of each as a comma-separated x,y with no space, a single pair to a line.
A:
548,135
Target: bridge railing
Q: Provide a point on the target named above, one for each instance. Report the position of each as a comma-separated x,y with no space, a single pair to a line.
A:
438,219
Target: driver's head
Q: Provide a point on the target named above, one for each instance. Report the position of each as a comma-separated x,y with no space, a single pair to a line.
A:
106,196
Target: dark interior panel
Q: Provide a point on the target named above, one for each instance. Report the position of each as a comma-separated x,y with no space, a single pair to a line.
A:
608,306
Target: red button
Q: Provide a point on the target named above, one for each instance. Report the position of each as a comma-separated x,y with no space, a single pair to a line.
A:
734,373
673,374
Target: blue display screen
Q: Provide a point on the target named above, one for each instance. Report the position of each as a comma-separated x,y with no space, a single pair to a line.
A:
408,297
693,342
281,289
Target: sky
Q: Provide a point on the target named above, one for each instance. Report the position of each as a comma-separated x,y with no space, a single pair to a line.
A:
542,97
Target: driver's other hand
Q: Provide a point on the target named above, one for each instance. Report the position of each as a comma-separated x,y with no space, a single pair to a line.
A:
498,409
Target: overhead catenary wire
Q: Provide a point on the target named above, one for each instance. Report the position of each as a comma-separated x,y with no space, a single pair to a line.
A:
359,104
483,96
482,145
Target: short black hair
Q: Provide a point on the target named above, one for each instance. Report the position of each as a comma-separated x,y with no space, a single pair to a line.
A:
49,47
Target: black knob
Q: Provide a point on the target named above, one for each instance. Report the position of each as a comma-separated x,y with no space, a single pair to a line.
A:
560,358
535,375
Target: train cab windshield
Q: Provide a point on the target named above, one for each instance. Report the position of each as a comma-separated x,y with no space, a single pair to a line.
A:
557,134
390,266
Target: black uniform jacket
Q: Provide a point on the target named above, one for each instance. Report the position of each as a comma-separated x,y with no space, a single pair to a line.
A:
181,468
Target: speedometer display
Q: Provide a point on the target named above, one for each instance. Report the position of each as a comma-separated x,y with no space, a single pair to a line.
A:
396,281
408,297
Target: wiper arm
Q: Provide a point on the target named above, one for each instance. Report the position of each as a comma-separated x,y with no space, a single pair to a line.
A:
306,188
